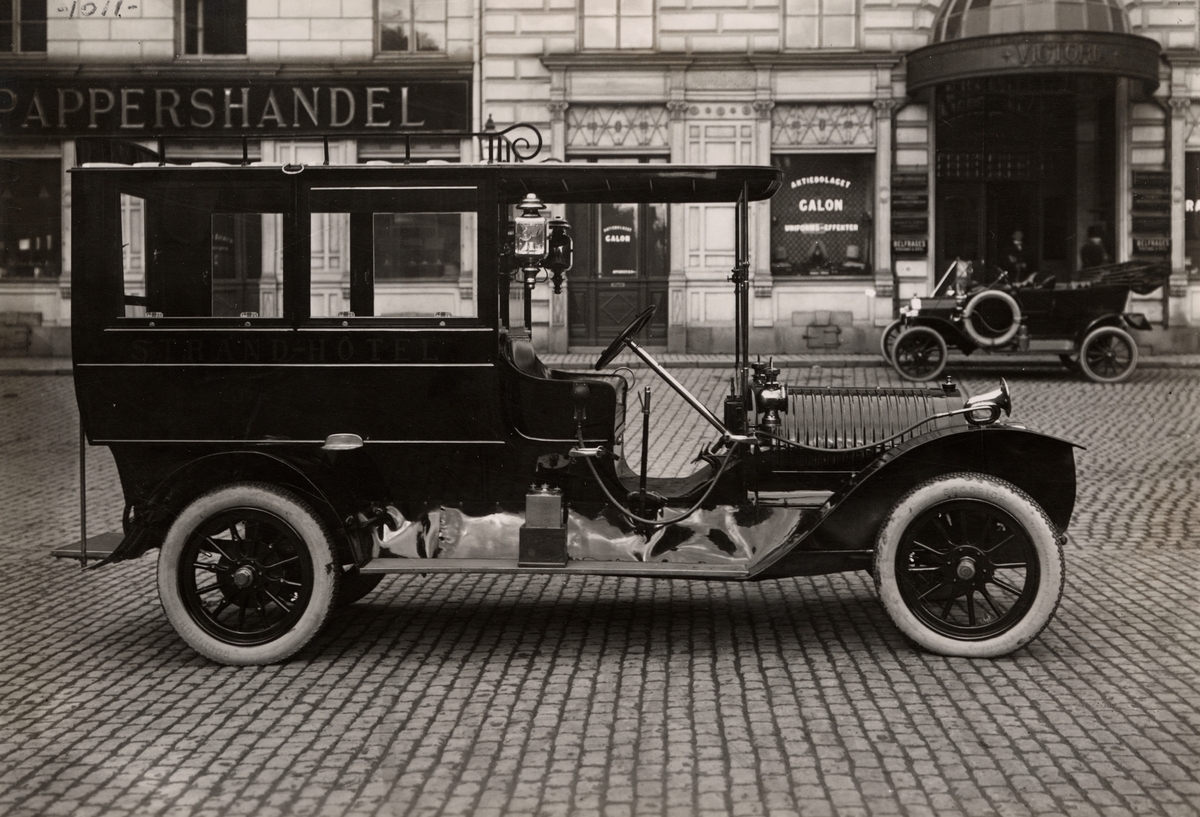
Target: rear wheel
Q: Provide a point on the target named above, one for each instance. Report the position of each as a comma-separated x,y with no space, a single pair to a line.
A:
1108,355
919,354
247,574
969,565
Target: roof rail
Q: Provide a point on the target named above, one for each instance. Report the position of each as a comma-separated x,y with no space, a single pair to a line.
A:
516,143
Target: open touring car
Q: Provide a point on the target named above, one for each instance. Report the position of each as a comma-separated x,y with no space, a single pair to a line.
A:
283,455
1084,322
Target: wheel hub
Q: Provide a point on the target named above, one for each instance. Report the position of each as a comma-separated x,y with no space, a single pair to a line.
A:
966,568
970,566
244,576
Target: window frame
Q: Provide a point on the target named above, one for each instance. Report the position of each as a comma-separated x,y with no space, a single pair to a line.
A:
147,193
412,51
18,23
820,18
618,17
185,30
390,200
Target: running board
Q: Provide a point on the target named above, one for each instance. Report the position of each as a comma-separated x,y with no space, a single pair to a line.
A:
98,547
662,570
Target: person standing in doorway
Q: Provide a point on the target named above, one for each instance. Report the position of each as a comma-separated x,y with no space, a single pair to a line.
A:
1093,253
1014,259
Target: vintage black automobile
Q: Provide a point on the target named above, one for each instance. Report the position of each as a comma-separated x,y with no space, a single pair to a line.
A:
1083,321
283,461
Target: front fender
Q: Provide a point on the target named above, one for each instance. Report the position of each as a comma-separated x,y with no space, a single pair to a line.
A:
1040,465
949,330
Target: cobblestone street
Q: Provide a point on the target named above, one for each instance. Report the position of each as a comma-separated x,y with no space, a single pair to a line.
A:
491,695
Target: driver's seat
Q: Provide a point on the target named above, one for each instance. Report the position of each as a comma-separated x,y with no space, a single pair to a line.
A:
524,357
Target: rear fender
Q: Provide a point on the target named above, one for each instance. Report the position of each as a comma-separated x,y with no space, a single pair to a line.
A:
1041,465
1111,319
336,484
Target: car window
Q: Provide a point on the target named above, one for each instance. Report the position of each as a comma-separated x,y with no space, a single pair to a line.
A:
202,253
410,251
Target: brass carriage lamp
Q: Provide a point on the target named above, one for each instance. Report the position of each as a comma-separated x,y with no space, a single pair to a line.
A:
559,253
531,231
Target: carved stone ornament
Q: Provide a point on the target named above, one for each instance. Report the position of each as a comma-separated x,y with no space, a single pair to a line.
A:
763,108
557,108
618,126
850,125
677,108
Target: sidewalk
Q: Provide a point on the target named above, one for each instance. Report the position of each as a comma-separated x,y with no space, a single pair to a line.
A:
576,360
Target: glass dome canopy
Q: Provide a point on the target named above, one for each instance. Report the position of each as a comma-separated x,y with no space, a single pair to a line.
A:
996,38
959,19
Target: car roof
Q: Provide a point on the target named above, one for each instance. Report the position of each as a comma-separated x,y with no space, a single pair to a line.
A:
561,182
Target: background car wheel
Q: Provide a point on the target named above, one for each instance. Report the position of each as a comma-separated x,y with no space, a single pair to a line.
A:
1108,355
919,354
247,574
968,565
356,586
887,341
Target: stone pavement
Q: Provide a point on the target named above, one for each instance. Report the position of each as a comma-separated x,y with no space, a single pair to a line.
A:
486,695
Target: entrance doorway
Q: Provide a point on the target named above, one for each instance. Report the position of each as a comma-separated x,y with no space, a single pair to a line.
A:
1029,154
620,268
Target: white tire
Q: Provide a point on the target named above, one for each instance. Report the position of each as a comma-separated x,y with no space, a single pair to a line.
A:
991,341
247,574
970,566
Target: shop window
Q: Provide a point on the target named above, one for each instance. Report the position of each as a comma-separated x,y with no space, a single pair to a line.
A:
821,220
23,26
412,26
30,218
821,24
609,24
214,27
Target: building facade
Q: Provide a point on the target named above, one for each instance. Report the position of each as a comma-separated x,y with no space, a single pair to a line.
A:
911,133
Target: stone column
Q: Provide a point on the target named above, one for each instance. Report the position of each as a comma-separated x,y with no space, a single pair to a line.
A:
558,336
677,283
882,257
762,304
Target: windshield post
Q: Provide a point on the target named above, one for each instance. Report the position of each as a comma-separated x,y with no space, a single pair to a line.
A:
741,280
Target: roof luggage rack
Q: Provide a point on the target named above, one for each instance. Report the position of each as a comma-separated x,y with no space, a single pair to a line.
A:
514,144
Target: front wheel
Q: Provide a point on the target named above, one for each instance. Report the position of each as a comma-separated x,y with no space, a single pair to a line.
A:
968,565
247,574
919,354
1108,355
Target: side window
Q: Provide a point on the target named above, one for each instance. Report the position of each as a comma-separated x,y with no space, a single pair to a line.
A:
411,253
201,256
133,255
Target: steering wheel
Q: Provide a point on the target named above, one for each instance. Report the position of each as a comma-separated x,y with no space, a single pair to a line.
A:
636,325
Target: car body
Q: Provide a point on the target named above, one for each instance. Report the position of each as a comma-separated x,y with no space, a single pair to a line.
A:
1084,322
282,461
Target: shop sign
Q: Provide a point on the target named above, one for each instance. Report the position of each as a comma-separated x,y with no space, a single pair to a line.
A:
820,219
910,246
32,106
1043,52
1151,245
